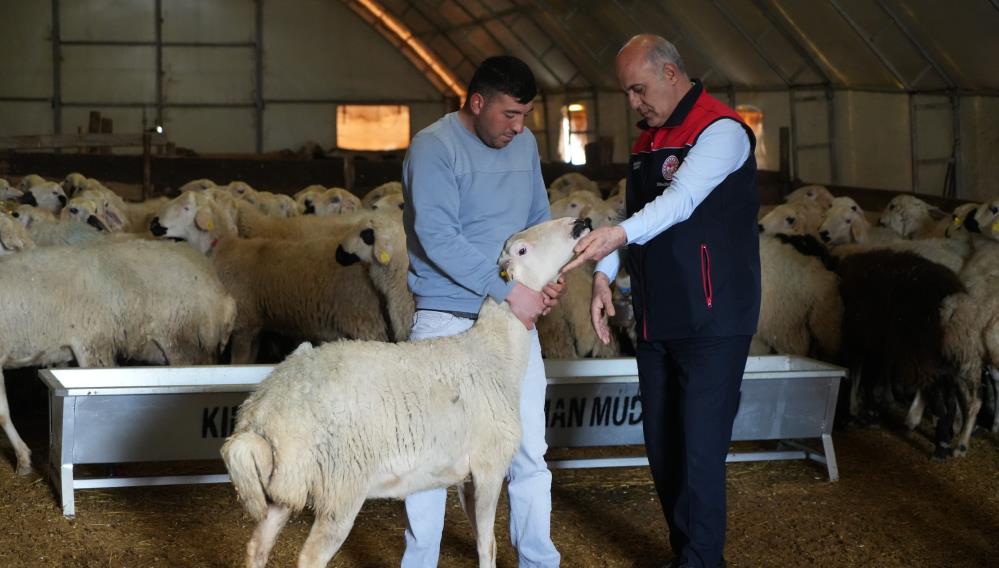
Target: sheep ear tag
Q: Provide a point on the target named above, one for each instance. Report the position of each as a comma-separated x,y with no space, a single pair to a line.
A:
995,227
958,221
383,257
204,221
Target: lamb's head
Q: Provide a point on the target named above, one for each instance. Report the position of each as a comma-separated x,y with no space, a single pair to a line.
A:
956,229
192,219
74,183
47,195
196,185
602,214
906,215
984,220
332,201
844,224
13,236
305,198
535,256
28,215
619,188
573,204
29,181
378,239
242,190
379,192
573,181
85,210
7,191
617,201
814,193
782,220
391,203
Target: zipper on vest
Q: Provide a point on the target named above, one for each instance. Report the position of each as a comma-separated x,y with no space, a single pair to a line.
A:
706,274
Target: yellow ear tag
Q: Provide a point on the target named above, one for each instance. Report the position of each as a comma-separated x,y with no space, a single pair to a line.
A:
995,227
383,257
210,225
504,275
958,221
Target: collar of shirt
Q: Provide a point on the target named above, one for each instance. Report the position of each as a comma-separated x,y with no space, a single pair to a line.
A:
682,108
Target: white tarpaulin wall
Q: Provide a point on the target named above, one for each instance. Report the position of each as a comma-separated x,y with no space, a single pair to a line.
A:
877,93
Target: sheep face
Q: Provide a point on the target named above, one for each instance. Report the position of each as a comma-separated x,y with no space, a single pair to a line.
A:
28,215
197,185
814,193
242,190
956,229
844,224
185,219
573,205
376,240
985,220
602,214
534,256
9,192
333,201
782,220
29,181
380,192
13,237
74,183
906,215
47,195
84,210
388,203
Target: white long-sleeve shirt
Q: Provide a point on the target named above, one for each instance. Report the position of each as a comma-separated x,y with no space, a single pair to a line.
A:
721,149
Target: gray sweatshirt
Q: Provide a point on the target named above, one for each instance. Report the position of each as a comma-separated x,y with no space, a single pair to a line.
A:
463,200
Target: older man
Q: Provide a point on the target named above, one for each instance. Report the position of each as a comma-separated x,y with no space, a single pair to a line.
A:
693,255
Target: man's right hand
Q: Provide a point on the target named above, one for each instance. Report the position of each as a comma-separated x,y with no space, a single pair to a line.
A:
526,304
602,306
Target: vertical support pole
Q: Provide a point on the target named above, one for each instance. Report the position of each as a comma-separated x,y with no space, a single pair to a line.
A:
831,130
955,105
147,164
159,62
548,127
793,134
785,161
258,53
914,141
56,70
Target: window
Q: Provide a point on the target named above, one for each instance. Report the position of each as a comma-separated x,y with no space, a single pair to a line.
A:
572,142
376,128
753,117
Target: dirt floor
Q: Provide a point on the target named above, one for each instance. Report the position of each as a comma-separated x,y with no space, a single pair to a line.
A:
892,507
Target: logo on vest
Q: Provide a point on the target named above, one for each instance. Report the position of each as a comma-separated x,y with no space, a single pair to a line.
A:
670,166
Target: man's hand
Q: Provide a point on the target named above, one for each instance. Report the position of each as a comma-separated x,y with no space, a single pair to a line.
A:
552,292
526,304
602,306
596,245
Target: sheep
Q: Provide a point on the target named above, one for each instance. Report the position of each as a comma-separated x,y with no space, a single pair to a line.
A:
29,181
74,183
602,214
799,218
197,185
113,299
116,213
273,204
570,183
302,194
380,243
573,204
85,210
956,229
332,201
334,425
291,287
617,201
567,331
252,223
9,192
895,336
816,194
45,230
380,192
46,195
393,202
13,236
800,309
912,218
619,187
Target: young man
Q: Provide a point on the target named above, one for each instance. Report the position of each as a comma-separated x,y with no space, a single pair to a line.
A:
694,260
472,179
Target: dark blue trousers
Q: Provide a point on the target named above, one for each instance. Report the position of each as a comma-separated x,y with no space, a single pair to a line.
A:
690,395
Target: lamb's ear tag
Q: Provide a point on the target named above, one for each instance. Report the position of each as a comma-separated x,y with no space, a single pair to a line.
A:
995,227
958,221
383,257
504,275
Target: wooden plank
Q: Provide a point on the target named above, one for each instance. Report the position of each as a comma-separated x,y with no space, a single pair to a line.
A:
88,140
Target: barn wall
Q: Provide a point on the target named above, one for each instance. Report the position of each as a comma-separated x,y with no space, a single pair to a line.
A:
979,147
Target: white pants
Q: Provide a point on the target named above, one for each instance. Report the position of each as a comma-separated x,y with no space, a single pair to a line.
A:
530,482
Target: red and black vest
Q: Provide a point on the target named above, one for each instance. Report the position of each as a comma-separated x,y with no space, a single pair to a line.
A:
700,277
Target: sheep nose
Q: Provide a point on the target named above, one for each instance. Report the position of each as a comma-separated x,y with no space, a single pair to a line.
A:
971,224
760,225
94,222
310,209
29,199
368,236
62,200
156,229
824,235
580,225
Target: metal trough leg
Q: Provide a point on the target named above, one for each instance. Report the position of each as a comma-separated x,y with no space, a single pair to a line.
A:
65,488
827,448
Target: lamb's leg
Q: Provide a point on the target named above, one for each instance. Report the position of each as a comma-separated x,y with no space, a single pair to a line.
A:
327,535
466,495
915,415
260,545
970,405
945,426
487,490
20,448
994,371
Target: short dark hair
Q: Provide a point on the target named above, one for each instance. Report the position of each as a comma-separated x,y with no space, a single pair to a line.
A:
504,74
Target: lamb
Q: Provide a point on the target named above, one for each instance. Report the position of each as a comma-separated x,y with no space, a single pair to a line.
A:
114,212
13,236
290,287
29,181
380,192
309,191
619,187
197,185
602,214
913,218
801,310
84,210
74,183
95,303
570,183
572,205
393,202
567,331
8,192
45,230
252,223
956,229
335,425
332,201
816,194
380,243
799,218
46,195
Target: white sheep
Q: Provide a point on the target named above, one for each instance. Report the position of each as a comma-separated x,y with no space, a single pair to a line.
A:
92,304
9,192
619,187
573,204
816,194
332,201
197,185
393,202
380,192
956,228
291,287
13,236
85,210
46,195
29,181
603,213
252,223
569,183
912,218
46,230
74,183
798,218
335,425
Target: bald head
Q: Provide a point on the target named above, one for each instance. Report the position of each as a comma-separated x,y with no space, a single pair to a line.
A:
651,73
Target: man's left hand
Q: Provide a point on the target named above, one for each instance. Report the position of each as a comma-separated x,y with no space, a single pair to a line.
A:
552,292
596,245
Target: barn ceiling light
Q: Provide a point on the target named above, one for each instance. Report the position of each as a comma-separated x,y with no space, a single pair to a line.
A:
389,24
575,107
